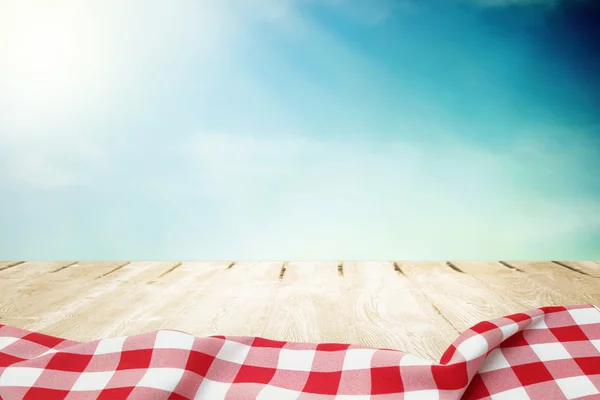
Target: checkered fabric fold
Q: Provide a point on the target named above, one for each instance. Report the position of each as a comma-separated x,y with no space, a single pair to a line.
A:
547,353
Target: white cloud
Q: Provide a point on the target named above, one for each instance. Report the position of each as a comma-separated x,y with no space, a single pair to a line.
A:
51,161
301,198
70,67
226,164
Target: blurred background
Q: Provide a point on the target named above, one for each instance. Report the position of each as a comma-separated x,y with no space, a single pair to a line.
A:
300,129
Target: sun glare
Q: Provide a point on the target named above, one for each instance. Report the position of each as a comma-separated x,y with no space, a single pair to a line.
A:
52,57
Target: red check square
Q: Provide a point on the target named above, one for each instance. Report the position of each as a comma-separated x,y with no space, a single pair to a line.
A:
386,380
483,327
7,359
529,374
46,394
44,340
199,363
249,374
589,365
260,342
323,382
450,377
69,362
569,334
477,389
516,340
115,393
135,359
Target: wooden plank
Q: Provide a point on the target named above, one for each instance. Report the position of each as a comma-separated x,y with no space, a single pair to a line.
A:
52,279
51,289
310,307
516,283
15,279
237,302
138,302
591,268
359,303
388,310
230,299
582,289
462,299
14,276
9,264
96,294
190,278
113,298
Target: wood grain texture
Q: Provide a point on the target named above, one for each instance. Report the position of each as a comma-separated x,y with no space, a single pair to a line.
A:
515,283
51,288
9,264
86,304
15,276
311,306
233,300
124,308
578,287
461,298
591,268
420,307
388,310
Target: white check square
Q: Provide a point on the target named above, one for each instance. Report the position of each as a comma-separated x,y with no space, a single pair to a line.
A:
422,395
585,316
495,361
408,360
233,352
538,323
7,341
509,330
513,394
161,378
356,359
173,340
273,392
20,376
577,386
92,381
110,345
473,347
296,360
212,390
550,351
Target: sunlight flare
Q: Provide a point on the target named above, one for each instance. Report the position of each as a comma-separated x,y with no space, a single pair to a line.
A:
53,56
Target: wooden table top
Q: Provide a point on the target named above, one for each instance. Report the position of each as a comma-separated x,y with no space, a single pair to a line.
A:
419,307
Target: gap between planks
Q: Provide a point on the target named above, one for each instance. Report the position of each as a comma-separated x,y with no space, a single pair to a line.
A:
63,267
283,268
173,268
10,265
572,269
507,265
114,270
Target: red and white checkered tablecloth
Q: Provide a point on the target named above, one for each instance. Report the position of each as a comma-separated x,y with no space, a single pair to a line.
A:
547,353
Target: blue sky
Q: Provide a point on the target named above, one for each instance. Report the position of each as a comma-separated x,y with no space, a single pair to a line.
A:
299,129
